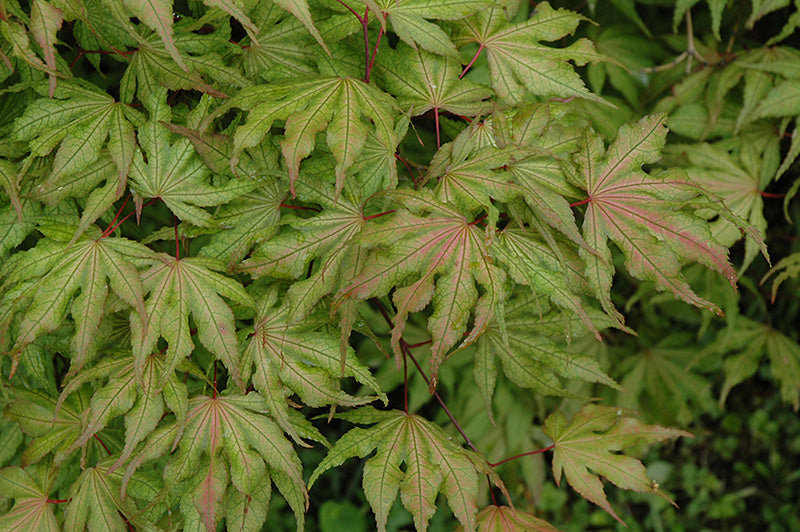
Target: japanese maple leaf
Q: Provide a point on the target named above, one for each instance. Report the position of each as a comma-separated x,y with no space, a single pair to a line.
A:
177,289
433,464
592,441
410,21
326,238
347,109
519,63
645,215
422,81
446,253
97,503
228,452
738,186
174,173
507,519
300,358
91,265
530,358
32,508
745,346
142,400
80,120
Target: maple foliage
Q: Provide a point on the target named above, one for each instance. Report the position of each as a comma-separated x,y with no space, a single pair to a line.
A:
224,222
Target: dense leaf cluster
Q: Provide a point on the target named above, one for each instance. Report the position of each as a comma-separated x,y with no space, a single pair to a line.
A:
225,221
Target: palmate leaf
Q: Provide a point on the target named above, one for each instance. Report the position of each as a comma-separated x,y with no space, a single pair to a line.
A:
645,215
326,238
530,358
175,174
410,21
78,119
422,81
508,519
745,346
141,400
446,253
181,287
519,63
91,265
433,464
346,108
591,441
737,184
300,358
32,509
227,446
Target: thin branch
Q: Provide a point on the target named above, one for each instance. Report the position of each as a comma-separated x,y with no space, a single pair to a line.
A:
523,454
407,352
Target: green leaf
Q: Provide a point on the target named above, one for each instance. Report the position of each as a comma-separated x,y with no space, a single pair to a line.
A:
177,289
446,254
422,81
296,358
520,64
45,23
32,509
342,107
174,173
645,215
89,265
592,440
433,464
508,519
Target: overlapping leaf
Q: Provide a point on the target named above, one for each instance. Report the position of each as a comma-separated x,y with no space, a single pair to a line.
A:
447,255
433,464
32,509
645,215
90,265
347,109
519,63
301,358
508,519
174,173
177,289
530,358
228,453
592,441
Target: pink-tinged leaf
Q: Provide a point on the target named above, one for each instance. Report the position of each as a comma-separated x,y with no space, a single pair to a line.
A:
444,246
508,519
207,497
299,8
645,215
592,441
233,10
45,22
32,509
433,465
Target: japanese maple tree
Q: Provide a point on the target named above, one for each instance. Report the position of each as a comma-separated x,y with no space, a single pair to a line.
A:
226,223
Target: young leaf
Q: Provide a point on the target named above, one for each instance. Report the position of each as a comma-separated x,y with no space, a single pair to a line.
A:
433,464
447,255
342,106
45,22
591,440
644,215
508,519
519,63
178,288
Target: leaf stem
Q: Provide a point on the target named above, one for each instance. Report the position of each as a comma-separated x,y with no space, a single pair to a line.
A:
521,455
373,216
103,445
57,501
177,245
472,61
407,352
581,202
113,227
770,195
117,215
299,207
365,30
